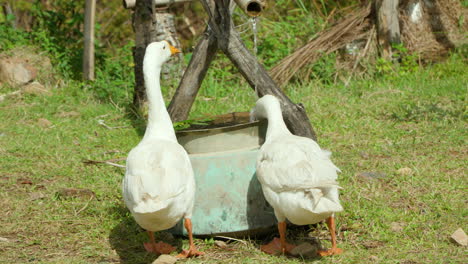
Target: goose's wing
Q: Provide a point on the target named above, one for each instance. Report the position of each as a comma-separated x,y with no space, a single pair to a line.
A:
156,173
295,163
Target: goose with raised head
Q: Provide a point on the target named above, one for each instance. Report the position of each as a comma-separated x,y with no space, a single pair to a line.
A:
159,185
297,177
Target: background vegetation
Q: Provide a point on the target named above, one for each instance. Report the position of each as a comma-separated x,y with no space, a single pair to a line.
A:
397,133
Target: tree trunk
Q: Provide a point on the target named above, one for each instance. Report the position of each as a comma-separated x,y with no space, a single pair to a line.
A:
7,11
185,94
145,32
388,27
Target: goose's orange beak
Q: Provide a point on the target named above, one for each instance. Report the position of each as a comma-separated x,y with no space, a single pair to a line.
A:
174,50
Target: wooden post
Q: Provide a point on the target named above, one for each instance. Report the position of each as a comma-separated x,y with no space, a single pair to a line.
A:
229,42
88,55
388,27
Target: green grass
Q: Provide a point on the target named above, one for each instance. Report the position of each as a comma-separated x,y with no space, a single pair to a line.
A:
417,121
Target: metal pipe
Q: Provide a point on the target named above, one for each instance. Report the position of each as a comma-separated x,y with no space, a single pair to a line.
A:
129,4
252,8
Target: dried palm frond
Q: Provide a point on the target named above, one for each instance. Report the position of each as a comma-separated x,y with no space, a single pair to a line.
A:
348,29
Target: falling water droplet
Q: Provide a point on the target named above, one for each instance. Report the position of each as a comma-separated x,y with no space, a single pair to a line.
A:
254,29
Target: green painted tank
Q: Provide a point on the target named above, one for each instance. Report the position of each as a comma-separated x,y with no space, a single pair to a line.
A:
229,198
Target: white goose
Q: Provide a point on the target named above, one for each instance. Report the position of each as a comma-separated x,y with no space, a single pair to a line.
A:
159,186
297,177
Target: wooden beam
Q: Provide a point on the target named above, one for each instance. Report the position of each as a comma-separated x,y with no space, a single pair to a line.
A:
185,94
294,115
230,43
88,55
388,27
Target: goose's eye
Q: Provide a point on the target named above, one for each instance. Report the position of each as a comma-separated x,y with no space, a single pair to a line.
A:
164,47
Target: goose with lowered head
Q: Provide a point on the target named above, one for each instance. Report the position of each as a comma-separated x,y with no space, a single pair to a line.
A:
159,185
297,177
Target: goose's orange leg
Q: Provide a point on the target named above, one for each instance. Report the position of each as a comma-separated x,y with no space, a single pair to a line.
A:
334,250
278,245
192,252
158,248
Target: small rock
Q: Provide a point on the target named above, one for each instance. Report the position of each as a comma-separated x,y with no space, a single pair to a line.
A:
36,196
460,237
44,122
221,244
15,71
371,175
165,259
305,250
397,227
373,258
34,88
4,239
75,193
405,171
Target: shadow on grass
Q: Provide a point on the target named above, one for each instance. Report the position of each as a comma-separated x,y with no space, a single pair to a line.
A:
297,235
127,239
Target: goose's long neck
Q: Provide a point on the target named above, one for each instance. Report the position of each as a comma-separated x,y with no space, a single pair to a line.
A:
159,122
276,125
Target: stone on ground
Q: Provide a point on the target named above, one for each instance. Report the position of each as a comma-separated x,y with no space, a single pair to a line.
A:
460,237
165,259
221,244
15,71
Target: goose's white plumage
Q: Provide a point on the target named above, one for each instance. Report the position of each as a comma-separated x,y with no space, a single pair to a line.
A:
298,178
159,186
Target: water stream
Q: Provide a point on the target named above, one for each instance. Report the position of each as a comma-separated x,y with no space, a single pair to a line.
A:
254,30
253,20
